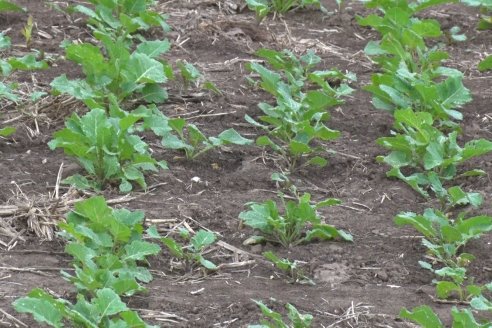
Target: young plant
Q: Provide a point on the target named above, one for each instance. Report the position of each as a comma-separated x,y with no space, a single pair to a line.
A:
296,123
274,319
299,223
486,64
107,149
425,317
11,64
27,31
290,268
194,143
264,7
419,146
192,253
445,237
122,19
107,247
114,70
412,74
104,310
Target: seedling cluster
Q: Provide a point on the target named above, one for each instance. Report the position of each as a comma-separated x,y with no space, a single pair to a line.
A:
123,83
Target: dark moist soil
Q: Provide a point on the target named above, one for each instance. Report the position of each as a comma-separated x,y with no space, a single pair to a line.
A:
359,284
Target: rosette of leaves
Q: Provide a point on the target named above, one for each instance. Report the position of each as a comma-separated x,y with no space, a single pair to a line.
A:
300,222
412,76
427,154
296,123
107,247
445,239
107,149
122,19
116,71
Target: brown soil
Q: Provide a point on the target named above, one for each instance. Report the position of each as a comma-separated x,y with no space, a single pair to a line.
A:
375,276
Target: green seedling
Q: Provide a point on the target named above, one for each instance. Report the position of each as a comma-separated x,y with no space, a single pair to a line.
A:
412,74
107,247
290,268
104,310
454,282
425,317
107,149
419,146
486,64
295,125
192,253
264,7
193,142
122,19
7,67
27,31
274,319
300,222
445,237
403,88
11,64
191,75
114,70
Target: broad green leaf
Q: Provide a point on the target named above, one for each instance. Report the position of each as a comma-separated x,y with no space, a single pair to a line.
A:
28,62
138,250
231,136
42,310
422,315
143,69
108,303
202,239
154,48
76,88
444,289
485,64
464,319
